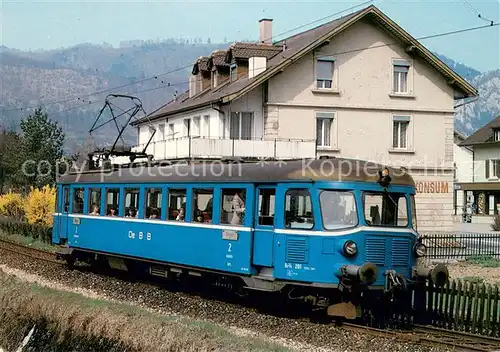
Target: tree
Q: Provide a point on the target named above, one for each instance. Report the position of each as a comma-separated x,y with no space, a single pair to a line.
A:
42,149
10,158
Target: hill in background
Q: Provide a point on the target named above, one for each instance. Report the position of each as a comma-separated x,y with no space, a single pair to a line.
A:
70,75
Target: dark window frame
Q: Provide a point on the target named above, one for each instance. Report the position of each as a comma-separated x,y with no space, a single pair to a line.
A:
355,205
295,189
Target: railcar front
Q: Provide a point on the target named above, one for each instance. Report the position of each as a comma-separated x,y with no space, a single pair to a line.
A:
363,242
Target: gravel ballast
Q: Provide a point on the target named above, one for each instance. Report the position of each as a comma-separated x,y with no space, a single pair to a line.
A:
296,333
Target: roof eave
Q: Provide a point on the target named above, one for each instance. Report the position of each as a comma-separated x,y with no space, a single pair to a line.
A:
173,112
455,79
272,71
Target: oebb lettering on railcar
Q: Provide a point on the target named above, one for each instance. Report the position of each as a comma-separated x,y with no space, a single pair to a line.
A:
132,235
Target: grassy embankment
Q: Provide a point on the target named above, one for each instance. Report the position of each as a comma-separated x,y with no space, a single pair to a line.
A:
70,321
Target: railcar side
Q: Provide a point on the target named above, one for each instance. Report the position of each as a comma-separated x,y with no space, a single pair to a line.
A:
285,231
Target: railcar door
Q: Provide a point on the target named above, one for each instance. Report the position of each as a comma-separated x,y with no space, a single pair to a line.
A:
63,222
264,226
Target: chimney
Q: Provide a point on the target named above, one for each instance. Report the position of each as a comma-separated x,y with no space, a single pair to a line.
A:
266,31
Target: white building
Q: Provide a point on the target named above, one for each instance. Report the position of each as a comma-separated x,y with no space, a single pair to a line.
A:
464,172
357,87
483,188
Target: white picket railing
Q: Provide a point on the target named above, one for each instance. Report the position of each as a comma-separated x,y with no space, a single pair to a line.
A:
203,147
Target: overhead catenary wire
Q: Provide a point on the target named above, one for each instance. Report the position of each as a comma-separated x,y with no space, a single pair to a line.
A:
168,84
172,71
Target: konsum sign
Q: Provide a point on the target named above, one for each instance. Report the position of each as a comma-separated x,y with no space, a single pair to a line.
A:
432,187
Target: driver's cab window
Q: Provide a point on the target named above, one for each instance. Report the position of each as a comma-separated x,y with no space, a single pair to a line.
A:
298,209
386,209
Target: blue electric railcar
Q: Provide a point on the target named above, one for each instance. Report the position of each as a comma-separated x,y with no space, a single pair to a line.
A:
320,228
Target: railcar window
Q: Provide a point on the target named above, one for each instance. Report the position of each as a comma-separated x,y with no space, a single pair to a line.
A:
338,210
112,201
203,205
66,199
298,209
386,209
267,199
233,206
78,201
177,204
131,202
94,201
153,203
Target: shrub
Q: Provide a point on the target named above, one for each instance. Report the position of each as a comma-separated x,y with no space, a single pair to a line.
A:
496,223
40,205
36,231
12,205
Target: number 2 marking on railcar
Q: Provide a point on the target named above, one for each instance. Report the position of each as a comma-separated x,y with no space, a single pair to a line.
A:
229,249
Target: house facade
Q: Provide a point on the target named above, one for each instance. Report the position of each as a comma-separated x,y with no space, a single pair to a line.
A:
464,172
483,189
357,87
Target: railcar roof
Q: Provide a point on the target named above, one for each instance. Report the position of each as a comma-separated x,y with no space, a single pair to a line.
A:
329,170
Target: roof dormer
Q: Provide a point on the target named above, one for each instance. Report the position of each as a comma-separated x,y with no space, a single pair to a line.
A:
496,134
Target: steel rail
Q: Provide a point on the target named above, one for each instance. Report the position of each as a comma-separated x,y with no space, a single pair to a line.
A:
36,253
432,336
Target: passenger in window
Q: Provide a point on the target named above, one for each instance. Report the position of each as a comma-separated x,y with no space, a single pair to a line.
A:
238,209
132,213
95,211
181,215
112,212
154,214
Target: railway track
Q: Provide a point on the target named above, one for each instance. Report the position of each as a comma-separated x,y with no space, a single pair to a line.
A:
420,334
31,252
432,336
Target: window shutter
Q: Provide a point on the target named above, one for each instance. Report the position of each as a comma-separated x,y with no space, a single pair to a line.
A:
497,168
487,169
324,70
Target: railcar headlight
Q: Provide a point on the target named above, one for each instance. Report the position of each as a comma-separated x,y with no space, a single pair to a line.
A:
350,248
420,249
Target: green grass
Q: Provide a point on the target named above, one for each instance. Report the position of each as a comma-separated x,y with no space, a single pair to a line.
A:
484,261
28,241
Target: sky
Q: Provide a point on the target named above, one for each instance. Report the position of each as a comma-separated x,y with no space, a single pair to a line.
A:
32,25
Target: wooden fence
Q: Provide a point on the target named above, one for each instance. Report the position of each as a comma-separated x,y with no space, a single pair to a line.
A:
460,305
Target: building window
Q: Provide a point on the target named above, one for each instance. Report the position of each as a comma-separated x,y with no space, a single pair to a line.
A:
400,72
324,73
241,125
324,121
400,132
161,134
171,132
196,126
492,168
206,126
496,135
187,127
234,73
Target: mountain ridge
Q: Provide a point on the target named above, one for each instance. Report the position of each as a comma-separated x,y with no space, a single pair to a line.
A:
63,81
